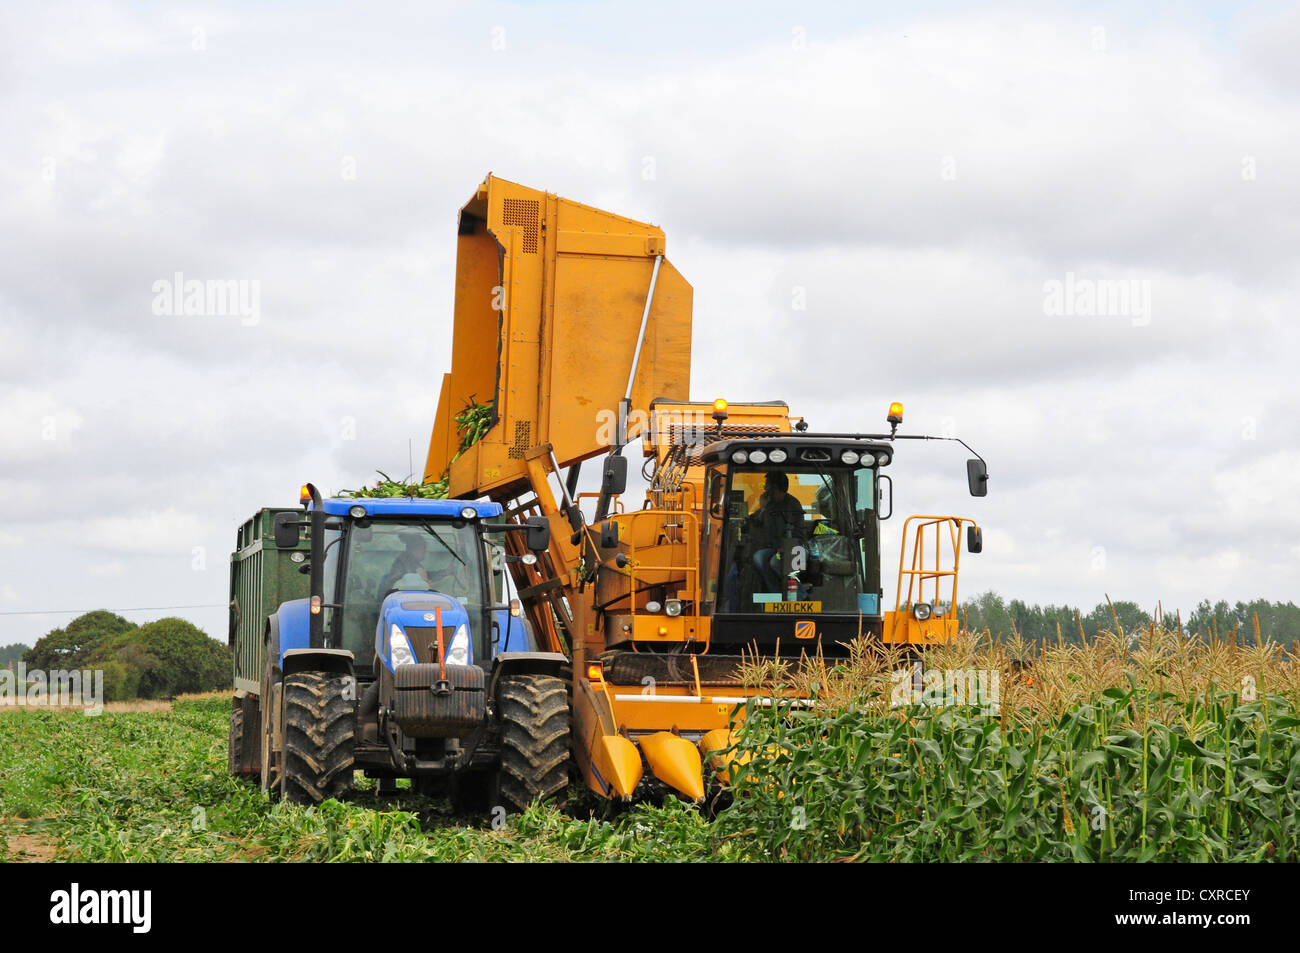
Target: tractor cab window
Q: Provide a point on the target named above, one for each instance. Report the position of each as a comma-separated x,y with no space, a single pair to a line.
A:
387,556
795,535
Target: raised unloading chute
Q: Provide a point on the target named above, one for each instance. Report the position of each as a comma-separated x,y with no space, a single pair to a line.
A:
550,301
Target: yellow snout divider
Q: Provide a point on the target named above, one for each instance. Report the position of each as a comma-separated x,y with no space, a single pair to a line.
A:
676,762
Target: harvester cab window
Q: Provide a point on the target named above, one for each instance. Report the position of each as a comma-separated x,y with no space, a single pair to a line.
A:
795,536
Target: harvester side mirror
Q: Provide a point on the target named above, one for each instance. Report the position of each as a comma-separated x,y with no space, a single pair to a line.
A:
974,539
613,479
539,534
977,475
286,530
608,534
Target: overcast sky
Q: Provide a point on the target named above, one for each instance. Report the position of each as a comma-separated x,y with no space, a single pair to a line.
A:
889,194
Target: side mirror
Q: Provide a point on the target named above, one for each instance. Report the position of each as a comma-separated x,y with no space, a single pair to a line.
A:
608,534
286,530
974,539
977,476
539,534
613,478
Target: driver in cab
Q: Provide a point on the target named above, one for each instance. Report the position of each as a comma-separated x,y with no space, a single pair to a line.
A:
408,561
779,516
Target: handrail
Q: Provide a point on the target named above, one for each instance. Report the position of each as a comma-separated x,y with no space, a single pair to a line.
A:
918,574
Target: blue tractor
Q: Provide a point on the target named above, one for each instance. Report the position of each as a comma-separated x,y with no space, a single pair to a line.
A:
403,655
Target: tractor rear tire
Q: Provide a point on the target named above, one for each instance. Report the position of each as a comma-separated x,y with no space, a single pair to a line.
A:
535,741
235,751
320,723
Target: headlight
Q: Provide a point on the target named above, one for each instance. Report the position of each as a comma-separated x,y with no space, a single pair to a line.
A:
740,456
357,512
758,456
940,609
652,606
468,513
458,652
849,456
922,611
882,458
673,607
400,649
777,456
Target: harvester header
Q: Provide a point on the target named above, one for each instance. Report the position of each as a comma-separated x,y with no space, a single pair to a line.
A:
555,301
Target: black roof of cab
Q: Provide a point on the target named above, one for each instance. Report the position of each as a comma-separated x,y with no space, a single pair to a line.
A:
820,449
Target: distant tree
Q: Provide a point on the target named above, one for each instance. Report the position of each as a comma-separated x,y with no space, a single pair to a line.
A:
166,658
71,647
1279,621
12,653
1130,615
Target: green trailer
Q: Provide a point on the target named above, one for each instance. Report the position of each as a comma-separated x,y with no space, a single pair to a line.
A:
262,576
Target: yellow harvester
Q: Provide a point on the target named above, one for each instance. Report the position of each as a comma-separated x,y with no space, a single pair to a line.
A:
755,537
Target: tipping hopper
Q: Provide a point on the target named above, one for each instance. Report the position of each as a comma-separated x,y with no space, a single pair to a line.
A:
550,301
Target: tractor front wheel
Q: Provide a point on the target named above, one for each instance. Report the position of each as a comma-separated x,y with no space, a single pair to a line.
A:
320,724
535,743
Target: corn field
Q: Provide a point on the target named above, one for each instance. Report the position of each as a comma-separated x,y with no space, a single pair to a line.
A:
1154,747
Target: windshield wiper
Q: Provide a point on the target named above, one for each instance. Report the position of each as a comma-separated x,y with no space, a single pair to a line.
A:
430,530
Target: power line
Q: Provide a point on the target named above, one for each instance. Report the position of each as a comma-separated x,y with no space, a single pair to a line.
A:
215,605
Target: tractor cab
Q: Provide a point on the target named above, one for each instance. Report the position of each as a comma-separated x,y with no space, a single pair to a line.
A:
389,574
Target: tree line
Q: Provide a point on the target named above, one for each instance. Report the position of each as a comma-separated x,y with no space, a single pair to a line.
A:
159,659
1279,621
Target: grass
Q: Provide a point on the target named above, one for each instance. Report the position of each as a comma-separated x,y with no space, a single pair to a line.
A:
1149,749
153,787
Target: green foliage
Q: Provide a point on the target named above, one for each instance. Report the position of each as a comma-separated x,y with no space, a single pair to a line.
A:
1215,783
162,659
1208,780
71,647
1280,620
153,787
472,424
13,653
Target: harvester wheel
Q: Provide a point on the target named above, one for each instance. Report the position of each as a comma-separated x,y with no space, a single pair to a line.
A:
535,755
235,751
320,724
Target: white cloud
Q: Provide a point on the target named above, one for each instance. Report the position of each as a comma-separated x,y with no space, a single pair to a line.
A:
824,168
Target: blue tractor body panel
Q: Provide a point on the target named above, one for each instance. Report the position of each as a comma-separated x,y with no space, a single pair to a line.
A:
409,506
293,619
418,613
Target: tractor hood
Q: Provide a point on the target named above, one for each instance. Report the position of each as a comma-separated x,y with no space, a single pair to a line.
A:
413,616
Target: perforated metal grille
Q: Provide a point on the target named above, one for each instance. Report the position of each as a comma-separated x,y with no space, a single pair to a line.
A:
705,433
523,437
695,439
522,213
